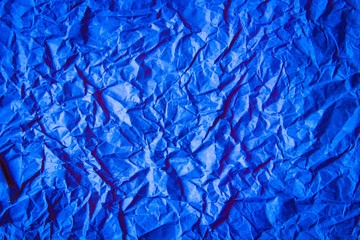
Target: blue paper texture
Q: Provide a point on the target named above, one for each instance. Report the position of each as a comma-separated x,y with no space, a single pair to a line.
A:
139,119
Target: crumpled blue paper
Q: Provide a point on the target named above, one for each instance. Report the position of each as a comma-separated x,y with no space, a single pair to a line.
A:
179,119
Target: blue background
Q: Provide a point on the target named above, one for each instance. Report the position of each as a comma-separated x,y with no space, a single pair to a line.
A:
179,119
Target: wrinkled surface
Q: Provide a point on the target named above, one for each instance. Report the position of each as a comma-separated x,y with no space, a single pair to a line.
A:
179,119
